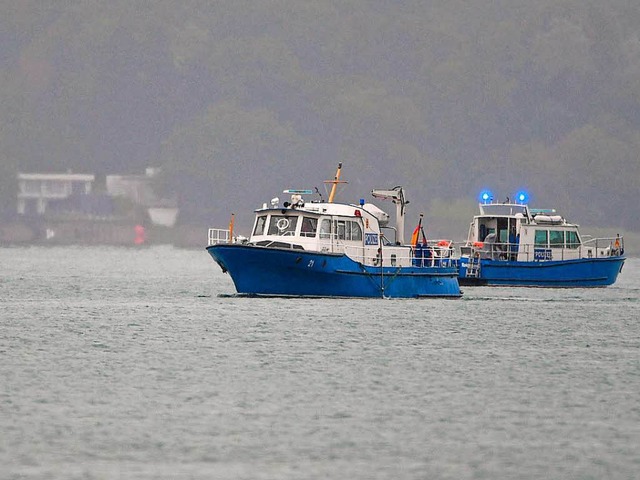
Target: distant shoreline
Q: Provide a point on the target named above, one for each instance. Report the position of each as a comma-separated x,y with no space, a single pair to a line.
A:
91,232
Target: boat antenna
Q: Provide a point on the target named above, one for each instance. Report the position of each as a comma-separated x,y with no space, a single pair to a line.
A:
319,194
336,180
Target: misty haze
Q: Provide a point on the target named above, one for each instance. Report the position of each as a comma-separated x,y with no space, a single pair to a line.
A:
149,330
231,102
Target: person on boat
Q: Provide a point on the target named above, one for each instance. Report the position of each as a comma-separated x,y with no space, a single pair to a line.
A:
617,250
513,244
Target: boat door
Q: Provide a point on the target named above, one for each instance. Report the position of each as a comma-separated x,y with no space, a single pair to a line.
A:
486,227
348,237
507,236
502,230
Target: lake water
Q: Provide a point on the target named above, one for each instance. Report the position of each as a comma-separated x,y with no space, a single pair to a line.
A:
125,363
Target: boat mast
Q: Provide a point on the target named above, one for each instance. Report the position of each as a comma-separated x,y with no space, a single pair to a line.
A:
231,223
335,182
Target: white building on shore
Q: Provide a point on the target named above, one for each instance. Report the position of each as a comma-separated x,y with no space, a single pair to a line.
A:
36,190
139,189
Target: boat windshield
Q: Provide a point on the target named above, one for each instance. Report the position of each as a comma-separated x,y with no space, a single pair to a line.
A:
261,221
499,209
573,241
308,227
282,225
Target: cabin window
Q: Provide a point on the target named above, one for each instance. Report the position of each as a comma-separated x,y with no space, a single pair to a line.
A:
572,240
349,230
541,238
260,223
356,231
325,228
309,227
556,239
282,225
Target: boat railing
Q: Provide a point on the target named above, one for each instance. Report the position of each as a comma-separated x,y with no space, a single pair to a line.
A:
604,246
219,235
328,242
431,257
592,248
399,256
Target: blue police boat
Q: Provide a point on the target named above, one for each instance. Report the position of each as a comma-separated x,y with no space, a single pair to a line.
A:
327,249
511,244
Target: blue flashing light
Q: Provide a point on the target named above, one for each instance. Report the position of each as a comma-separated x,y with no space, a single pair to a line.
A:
522,197
486,196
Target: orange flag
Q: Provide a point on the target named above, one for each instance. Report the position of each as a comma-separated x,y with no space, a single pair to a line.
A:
416,233
414,236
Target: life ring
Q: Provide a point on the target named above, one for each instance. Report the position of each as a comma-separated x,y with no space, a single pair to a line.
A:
282,224
444,243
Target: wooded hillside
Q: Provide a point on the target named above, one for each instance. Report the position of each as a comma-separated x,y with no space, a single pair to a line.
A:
237,100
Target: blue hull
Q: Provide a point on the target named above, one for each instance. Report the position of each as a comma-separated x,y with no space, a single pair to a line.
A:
583,272
272,271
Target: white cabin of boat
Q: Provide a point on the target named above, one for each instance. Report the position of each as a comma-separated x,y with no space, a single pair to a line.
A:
511,231
361,232
354,230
